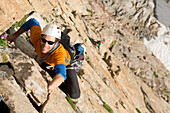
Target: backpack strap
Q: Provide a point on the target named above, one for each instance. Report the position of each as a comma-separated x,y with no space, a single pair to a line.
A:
65,41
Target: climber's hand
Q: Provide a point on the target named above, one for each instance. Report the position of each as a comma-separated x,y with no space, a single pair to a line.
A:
11,38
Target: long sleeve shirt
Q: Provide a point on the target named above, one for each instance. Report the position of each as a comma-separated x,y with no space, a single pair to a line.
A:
59,58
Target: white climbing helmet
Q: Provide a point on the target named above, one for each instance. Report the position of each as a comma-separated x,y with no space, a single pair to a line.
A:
52,30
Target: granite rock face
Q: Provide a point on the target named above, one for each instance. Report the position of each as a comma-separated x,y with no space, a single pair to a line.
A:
13,11
122,76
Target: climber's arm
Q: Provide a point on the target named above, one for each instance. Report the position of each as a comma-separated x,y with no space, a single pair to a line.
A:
60,71
25,27
11,38
57,80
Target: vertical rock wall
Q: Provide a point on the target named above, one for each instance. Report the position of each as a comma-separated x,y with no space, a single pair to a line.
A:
117,81
12,11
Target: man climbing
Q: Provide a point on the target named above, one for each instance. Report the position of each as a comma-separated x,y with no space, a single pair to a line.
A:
98,44
49,50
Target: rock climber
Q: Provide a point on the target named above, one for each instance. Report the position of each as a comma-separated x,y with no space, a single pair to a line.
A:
49,50
98,44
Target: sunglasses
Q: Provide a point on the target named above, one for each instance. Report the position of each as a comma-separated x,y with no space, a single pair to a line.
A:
49,42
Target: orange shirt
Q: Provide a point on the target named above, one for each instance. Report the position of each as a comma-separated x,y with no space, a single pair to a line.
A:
58,56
